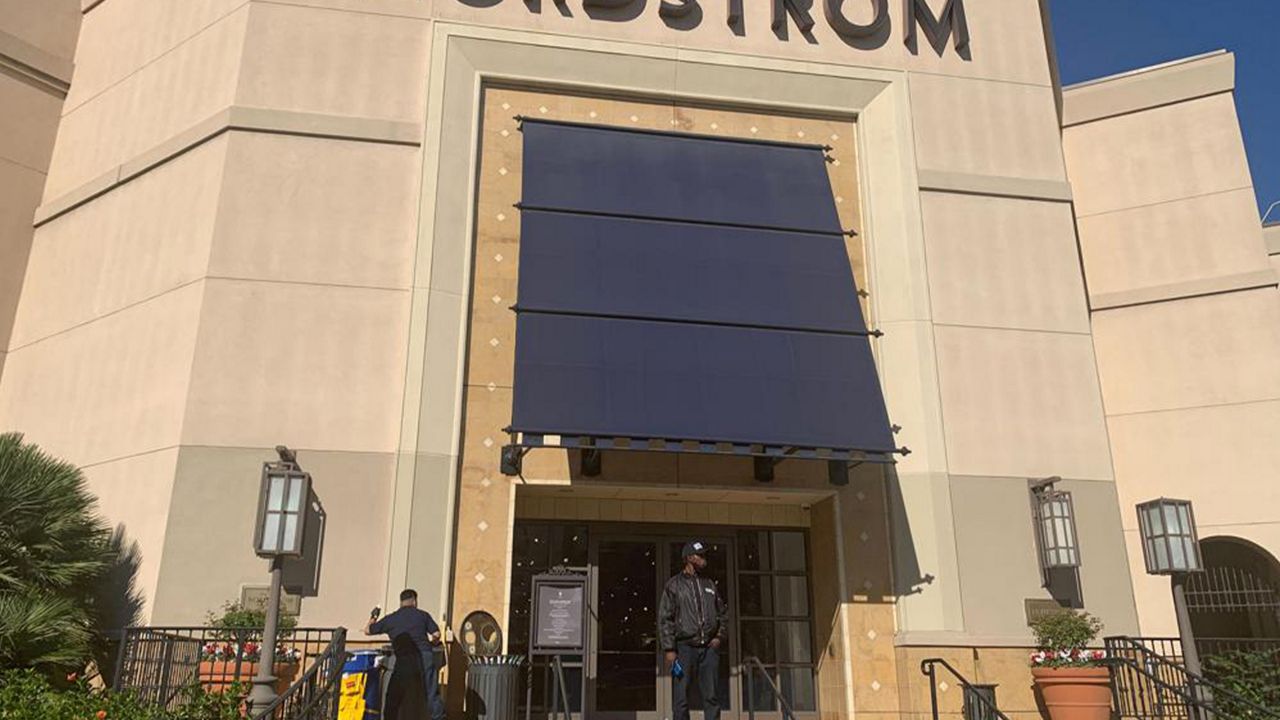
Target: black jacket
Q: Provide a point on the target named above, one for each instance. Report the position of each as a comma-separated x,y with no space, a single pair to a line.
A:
691,611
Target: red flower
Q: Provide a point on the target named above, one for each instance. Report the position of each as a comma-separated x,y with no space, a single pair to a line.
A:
101,714
71,677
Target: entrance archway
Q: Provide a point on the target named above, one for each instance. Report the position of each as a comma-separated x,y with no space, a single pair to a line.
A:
1235,603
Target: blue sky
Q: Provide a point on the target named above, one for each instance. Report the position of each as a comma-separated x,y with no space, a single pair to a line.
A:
1102,37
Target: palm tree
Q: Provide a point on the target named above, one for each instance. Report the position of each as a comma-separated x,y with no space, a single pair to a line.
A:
55,552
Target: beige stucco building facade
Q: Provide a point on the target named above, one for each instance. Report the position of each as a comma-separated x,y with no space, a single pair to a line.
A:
291,222
1185,311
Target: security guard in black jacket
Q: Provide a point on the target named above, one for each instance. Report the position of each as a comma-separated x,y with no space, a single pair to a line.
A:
692,626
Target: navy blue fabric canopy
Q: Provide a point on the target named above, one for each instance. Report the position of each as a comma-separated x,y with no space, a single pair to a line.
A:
690,290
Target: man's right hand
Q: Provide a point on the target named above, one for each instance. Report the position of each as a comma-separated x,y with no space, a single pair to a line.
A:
671,658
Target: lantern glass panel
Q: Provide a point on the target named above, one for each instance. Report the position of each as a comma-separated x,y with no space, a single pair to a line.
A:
275,492
1177,554
295,495
289,539
271,533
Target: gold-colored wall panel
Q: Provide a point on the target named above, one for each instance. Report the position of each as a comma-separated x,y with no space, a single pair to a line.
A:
488,500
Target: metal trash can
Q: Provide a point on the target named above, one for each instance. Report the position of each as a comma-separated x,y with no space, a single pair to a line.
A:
493,687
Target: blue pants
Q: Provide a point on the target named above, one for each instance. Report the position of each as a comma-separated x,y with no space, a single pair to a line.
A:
431,682
704,663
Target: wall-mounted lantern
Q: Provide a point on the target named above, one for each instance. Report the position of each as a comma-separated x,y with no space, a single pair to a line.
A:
1054,514
1169,541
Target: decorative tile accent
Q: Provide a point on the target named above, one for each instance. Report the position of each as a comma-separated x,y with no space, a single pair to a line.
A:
492,387
635,119
482,525
502,171
485,482
543,109
496,299
488,442
875,685
943,686
863,536
498,257
861,496
835,137
839,199
755,130
506,133
715,126
872,635
493,342
867,585
502,217
594,115
479,577
506,106
800,134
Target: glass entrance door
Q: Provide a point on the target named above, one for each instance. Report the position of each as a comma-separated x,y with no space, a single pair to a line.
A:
624,676
628,678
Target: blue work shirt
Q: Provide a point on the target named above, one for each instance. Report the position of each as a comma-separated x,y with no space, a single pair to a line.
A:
410,621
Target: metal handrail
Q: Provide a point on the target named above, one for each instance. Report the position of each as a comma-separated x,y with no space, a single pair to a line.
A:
750,664
1194,691
929,668
304,698
161,666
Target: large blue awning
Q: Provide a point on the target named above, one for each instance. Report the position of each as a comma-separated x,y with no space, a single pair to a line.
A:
688,293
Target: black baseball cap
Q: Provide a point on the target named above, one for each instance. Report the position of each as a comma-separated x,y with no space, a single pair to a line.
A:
694,547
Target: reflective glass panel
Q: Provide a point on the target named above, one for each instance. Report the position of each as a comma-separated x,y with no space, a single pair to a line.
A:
753,550
794,642
758,640
755,596
798,688
792,595
788,551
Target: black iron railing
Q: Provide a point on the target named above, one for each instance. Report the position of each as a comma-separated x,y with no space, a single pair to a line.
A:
162,666
1146,684
314,696
978,703
752,665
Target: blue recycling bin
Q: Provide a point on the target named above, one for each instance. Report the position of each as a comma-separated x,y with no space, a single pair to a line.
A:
361,697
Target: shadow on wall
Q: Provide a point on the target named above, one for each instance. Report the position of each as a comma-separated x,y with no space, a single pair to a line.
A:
908,578
117,604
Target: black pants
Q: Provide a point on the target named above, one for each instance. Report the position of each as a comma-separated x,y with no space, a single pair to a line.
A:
702,664
414,690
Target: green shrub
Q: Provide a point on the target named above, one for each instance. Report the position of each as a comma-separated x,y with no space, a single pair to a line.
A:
238,615
55,553
28,695
1065,630
1252,675
1062,639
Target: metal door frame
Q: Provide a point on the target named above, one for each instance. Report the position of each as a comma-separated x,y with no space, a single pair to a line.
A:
660,536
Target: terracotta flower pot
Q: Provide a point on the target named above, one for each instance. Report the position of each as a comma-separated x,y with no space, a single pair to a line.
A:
1080,693
218,676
